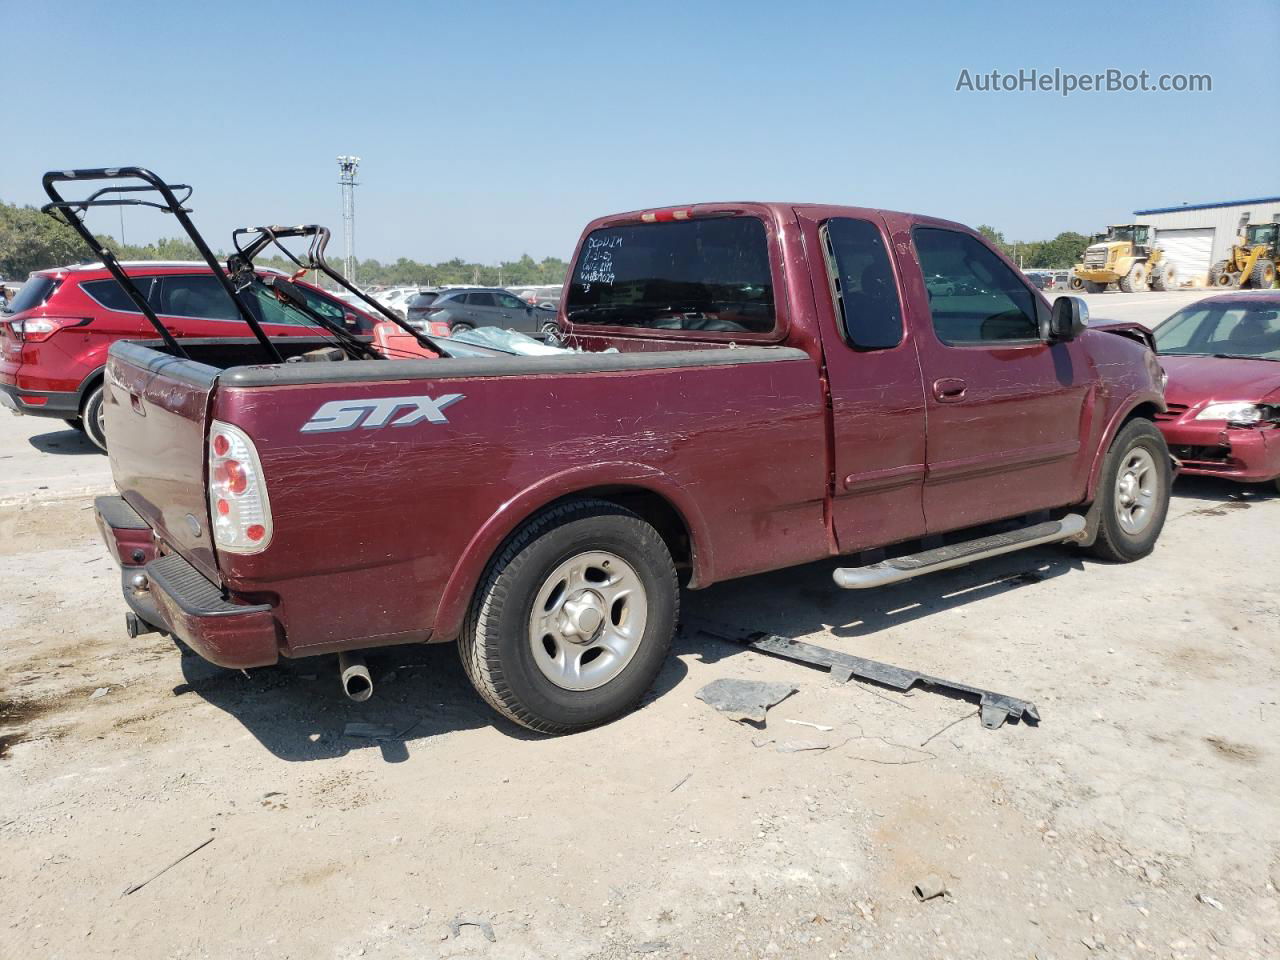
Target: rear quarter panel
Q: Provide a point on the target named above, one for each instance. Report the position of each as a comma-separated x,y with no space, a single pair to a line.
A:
372,525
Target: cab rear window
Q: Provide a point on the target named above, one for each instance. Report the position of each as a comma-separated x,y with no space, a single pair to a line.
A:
709,275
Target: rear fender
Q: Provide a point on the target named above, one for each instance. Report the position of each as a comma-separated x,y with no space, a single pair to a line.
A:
579,480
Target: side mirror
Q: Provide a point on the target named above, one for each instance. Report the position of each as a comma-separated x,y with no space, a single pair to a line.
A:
1069,319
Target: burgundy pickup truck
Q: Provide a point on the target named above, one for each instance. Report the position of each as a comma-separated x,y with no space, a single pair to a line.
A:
784,388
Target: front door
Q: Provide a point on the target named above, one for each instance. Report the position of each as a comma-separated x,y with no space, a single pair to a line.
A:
1006,410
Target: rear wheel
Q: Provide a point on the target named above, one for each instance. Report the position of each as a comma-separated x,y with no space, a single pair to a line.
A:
1263,275
93,419
1133,493
1076,283
573,618
1219,276
1135,279
460,328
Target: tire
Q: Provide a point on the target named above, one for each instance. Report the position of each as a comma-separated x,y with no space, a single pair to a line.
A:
1076,283
1135,280
460,328
1091,287
1138,443
1164,277
1218,275
550,328
1263,275
517,672
91,415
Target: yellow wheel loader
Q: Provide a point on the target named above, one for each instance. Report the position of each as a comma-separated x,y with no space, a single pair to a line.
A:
1127,256
1253,259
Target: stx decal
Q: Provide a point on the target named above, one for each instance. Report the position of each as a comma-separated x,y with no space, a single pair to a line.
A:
374,413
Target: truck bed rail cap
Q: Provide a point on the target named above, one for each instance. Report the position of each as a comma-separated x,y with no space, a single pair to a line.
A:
360,371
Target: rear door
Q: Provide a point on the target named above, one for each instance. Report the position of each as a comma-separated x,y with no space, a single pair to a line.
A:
1005,409
482,309
197,305
875,386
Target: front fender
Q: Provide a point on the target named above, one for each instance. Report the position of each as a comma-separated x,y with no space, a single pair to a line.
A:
514,512
1122,413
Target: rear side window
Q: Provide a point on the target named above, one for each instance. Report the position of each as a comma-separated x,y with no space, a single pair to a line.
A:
862,286
34,292
708,275
111,295
974,297
422,300
202,297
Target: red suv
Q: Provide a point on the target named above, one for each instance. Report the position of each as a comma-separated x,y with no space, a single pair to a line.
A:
56,331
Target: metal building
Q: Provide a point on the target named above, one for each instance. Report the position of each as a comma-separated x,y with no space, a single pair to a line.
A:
1197,235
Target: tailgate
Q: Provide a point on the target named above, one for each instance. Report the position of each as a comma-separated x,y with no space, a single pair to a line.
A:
156,407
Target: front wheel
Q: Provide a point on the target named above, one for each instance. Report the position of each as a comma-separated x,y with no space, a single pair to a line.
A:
92,416
1263,276
573,618
1133,493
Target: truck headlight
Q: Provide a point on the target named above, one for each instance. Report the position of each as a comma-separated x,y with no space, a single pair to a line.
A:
1233,412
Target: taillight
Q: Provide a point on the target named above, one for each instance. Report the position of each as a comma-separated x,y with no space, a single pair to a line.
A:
42,328
237,492
438,328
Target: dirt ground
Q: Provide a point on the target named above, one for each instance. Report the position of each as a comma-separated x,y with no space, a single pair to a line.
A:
1138,819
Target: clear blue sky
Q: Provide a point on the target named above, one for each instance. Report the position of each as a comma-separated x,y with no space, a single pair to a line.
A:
492,129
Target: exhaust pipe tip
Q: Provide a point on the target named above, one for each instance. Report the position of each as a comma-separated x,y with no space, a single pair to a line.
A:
357,683
136,627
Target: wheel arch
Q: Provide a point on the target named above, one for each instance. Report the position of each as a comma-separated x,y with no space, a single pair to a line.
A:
1145,404
88,383
645,490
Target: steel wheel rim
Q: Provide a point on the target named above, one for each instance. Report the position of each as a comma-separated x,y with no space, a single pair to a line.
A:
587,620
100,418
1137,486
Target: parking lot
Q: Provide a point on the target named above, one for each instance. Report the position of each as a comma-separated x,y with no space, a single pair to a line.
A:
1137,819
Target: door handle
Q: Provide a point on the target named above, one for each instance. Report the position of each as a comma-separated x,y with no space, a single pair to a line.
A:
949,390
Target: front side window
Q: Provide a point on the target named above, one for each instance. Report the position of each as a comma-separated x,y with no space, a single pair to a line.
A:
481,299
862,285
708,275
202,297
983,300
507,302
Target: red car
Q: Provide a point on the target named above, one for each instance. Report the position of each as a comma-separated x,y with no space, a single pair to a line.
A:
55,333
1222,357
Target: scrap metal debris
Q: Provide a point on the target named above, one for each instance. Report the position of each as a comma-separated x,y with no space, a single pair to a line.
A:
744,699
928,888
994,708
485,927
138,886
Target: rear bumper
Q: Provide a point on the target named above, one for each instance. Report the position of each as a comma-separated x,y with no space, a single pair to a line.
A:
1249,455
172,595
39,403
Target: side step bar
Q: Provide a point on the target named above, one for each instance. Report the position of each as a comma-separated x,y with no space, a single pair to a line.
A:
958,554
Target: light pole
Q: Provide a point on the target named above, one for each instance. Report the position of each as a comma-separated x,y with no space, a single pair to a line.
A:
347,181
